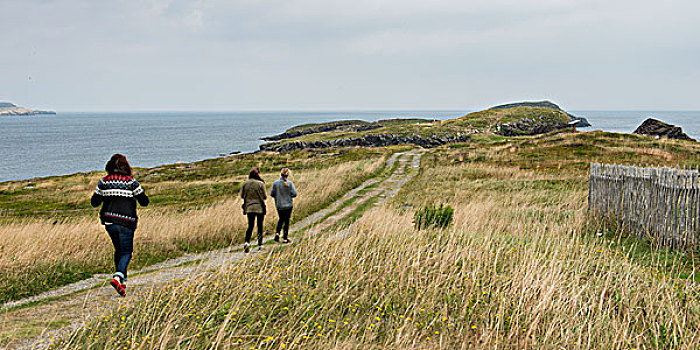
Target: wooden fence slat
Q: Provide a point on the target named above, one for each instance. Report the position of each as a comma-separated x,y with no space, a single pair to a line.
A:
661,202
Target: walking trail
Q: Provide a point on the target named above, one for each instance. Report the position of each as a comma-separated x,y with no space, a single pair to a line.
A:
39,321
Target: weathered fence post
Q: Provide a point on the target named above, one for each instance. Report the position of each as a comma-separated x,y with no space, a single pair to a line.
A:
661,202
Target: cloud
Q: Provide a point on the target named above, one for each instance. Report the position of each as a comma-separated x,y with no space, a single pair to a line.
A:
384,53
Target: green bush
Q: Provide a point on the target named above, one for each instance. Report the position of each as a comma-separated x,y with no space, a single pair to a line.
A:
432,216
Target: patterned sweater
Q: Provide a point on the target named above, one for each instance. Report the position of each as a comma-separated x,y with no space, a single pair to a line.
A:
118,195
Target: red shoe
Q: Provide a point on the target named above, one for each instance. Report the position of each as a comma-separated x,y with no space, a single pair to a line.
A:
118,287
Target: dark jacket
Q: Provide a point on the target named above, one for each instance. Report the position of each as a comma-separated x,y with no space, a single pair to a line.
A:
118,195
253,194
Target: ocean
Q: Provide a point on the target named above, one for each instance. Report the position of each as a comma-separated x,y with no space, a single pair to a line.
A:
65,143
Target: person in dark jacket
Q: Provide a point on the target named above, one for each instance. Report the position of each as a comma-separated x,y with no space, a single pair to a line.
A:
283,192
118,193
253,194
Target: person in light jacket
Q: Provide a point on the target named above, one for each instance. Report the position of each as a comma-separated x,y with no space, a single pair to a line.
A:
253,194
283,192
118,193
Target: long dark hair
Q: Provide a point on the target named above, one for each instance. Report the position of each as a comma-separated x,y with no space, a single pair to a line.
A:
118,165
255,174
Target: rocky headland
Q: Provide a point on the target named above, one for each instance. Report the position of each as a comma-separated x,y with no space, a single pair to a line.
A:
341,126
654,127
369,140
516,119
582,122
10,109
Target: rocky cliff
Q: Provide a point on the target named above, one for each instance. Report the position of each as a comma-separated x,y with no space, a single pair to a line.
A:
9,109
654,127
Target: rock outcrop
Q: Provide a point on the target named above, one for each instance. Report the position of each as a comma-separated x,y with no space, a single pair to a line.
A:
654,127
530,126
340,126
583,122
343,125
9,109
370,140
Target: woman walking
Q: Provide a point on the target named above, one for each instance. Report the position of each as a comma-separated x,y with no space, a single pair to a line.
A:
118,193
283,191
253,194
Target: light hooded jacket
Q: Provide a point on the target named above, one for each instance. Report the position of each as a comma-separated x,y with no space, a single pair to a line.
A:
283,193
253,194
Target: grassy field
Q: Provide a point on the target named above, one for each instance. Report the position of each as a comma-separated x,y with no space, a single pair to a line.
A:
51,235
523,266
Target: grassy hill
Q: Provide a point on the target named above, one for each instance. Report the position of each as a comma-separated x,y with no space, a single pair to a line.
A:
513,121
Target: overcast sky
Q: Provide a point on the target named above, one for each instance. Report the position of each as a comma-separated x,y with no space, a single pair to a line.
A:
360,54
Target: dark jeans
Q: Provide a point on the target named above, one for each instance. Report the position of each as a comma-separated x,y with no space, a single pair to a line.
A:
283,223
251,222
123,241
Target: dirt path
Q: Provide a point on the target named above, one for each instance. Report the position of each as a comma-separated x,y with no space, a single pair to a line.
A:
36,322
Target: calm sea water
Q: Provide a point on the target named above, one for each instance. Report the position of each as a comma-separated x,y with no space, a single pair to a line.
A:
71,142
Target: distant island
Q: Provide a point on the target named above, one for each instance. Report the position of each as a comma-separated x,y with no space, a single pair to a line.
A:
8,109
513,119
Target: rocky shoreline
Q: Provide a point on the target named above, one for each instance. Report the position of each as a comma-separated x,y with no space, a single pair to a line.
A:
371,140
10,109
340,126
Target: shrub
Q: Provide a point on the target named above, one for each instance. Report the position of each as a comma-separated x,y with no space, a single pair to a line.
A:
432,216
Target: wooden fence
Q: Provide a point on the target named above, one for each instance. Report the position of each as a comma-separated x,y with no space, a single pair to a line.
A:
660,202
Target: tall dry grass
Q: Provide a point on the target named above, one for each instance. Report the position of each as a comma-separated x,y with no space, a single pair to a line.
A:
43,253
516,271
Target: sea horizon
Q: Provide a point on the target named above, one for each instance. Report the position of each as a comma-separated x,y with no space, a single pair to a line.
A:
70,142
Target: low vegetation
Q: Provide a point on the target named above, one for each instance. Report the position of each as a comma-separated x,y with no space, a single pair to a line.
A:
52,236
516,120
432,216
341,126
523,265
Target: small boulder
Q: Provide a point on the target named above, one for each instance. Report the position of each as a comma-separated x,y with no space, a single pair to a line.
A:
655,127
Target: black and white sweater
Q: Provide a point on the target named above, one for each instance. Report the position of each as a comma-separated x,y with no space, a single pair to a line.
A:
118,194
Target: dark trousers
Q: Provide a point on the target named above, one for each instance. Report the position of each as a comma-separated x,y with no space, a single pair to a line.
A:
123,241
283,223
251,222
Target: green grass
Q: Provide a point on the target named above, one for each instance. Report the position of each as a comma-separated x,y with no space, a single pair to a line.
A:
355,214
308,131
177,186
662,262
487,120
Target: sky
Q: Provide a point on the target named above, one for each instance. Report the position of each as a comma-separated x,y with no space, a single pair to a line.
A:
123,55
